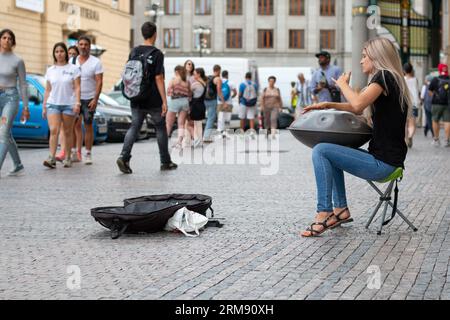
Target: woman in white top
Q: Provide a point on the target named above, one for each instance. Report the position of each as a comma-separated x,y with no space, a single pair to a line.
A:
413,113
61,102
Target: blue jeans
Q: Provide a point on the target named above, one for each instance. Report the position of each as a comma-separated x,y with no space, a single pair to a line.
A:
9,106
429,122
211,110
331,160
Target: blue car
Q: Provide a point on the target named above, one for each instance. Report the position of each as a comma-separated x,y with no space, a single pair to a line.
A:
36,128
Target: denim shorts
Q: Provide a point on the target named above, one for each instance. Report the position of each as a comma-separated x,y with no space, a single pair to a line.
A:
178,105
60,109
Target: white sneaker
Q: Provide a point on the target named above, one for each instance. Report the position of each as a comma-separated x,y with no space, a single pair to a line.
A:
197,143
19,170
436,143
88,159
67,163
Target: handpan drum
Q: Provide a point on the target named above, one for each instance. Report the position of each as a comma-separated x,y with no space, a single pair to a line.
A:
331,126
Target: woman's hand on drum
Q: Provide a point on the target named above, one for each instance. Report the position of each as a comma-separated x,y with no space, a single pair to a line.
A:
316,106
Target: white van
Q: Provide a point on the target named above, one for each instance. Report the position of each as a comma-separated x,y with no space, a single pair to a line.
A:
284,75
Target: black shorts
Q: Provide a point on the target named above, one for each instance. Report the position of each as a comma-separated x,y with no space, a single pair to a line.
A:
88,116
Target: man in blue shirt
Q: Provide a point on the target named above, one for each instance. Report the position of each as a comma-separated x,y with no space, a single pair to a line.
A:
248,97
322,86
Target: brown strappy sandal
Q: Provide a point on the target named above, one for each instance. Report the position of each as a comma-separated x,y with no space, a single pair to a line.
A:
316,233
340,221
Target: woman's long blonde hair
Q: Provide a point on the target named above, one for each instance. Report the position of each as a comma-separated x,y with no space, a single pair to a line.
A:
385,57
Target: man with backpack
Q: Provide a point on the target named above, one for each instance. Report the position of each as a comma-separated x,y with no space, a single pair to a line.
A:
440,110
225,103
212,96
248,97
143,84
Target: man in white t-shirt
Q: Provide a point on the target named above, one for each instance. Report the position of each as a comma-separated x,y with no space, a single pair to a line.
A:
225,109
91,87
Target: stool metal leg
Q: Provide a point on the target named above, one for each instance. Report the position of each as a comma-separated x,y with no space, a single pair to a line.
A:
386,195
388,202
383,218
383,195
401,215
374,214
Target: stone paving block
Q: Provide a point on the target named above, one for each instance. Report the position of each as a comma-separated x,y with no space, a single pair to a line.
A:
257,255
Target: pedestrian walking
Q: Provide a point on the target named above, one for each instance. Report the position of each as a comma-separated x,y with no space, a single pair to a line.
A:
73,54
427,102
213,97
294,97
440,110
225,103
248,98
304,95
154,103
388,94
91,87
271,105
322,86
197,106
413,113
189,68
61,102
12,71
179,93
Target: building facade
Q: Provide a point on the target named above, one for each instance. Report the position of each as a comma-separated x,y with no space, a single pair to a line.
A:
273,32
39,24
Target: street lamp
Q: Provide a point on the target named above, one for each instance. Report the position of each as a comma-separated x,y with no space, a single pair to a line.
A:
154,11
96,50
203,41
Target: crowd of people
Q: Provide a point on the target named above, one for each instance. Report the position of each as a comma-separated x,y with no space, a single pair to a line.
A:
74,83
75,80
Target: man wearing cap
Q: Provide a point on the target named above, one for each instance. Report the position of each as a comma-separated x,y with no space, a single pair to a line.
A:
322,85
440,110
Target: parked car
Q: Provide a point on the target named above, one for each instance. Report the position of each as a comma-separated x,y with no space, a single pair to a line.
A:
124,103
36,128
118,118
119,98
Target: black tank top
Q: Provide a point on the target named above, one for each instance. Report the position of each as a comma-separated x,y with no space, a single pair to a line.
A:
389,121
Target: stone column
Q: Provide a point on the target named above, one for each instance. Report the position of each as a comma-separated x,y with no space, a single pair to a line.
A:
360,34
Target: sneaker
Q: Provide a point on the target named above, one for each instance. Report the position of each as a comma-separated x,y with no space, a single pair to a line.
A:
436,143
19,170
88,159
447,145
168,166
197,143
67,163
124,166
60,157
50,162
177,145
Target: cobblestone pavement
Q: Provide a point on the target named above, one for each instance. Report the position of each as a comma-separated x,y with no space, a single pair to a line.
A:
46,226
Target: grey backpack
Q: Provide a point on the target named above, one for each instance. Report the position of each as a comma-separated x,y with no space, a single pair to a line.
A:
136,76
